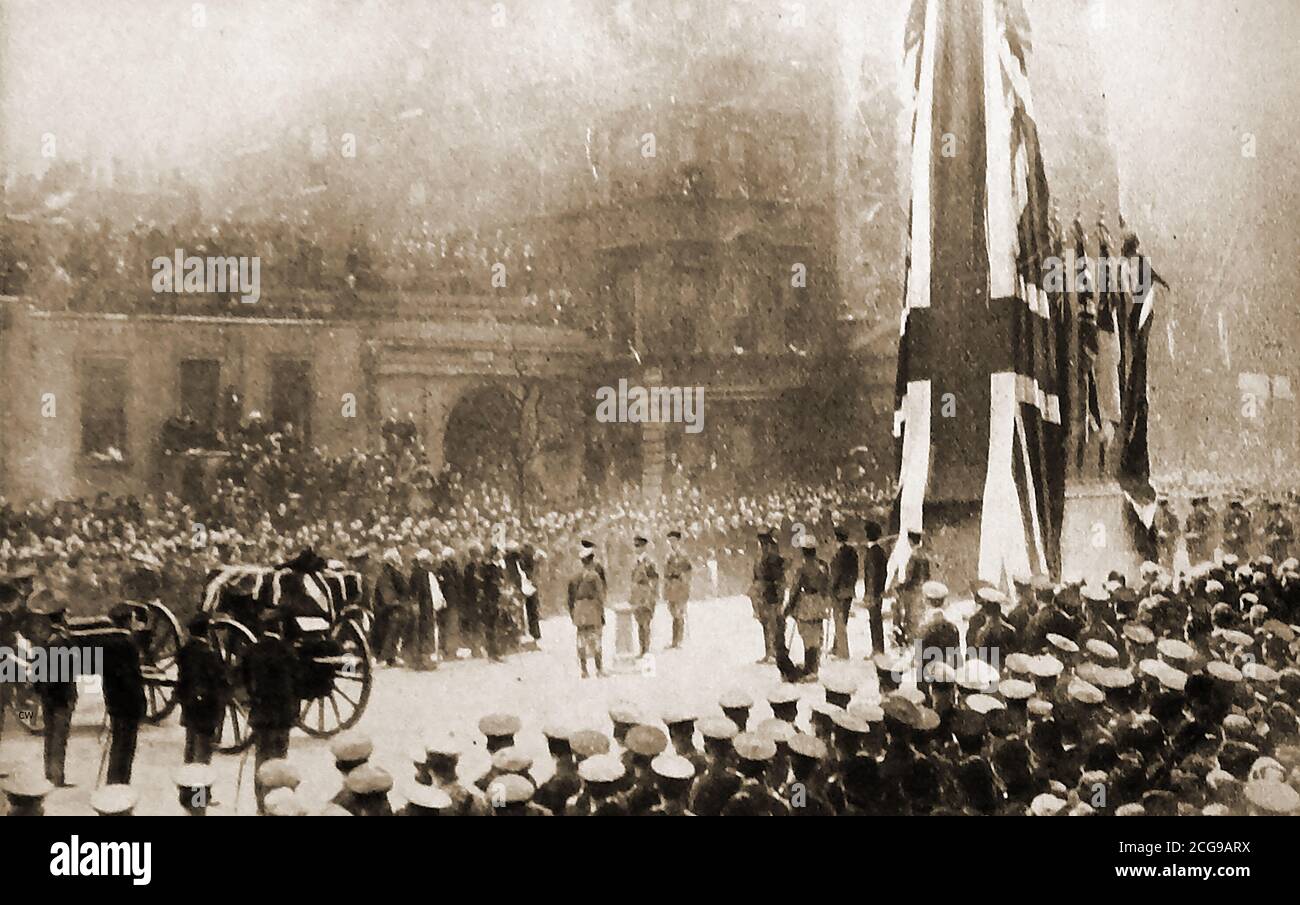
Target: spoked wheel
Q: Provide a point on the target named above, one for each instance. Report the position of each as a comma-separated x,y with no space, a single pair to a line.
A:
231,641
27,707
349,690
160,642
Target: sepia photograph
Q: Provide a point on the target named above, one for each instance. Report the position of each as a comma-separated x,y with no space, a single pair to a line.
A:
649,408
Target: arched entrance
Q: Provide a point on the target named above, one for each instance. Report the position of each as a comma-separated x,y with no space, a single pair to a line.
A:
481,439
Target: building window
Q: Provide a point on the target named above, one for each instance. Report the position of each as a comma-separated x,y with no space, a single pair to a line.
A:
291,395
103,407
200,393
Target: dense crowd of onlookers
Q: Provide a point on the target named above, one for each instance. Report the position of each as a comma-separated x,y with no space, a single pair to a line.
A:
68,260
274,495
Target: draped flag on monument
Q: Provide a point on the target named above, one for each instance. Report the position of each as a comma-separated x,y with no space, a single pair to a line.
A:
979,420
1138,283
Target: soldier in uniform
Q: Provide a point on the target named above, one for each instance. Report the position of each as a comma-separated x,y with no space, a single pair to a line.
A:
875,566
754,799
644,744
194,789
810,605
645,591
426,801
1199,525
25,793
201,691
601,776
805,791
587,610
123,694
766,591
673,775
1236,529
271,677
441,759
554,794
350,750
714,787
677,586
844,580
939,638
1165,526
58,698
907,599
1278,533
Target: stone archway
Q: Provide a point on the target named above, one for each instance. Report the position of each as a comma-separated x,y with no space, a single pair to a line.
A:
481,434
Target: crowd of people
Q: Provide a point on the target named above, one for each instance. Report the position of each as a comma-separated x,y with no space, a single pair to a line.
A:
1169,693
66,259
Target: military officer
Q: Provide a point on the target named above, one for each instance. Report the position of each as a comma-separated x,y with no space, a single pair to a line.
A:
587,610
875,567
844,580
810,604
201,690
645,591
677,586
765,592
271,677
907,600
58,698
124,698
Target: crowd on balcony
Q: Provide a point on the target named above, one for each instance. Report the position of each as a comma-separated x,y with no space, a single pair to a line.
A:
308,265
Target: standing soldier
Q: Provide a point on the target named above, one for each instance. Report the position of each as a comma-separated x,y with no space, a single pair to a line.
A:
1236,529
587,609
270,675
1165,526
766,591
58,698
1278,533
677,586
200,690
875,566
844,579
1199,525
907,601
123,694
810,604
645,591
